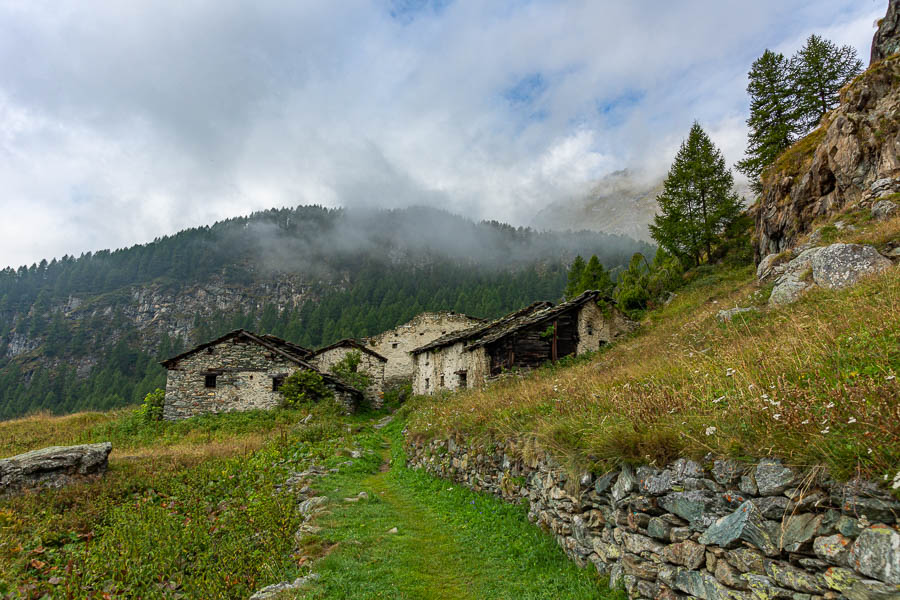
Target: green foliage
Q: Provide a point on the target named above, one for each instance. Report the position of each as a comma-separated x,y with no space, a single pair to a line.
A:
818,72
151,408
632,293
304,387
549,332
347,370
698,200
582,277
772,120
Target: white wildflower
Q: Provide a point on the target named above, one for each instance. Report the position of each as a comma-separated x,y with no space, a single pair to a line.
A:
719,399
729,372
869,451
712,431
765,396
829,405
896,484
851,420
804,422
890,378
777,416
826,430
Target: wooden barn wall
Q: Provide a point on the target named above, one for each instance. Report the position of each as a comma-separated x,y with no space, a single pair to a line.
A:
526,348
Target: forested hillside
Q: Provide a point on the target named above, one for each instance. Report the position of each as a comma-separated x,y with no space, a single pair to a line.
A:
87,332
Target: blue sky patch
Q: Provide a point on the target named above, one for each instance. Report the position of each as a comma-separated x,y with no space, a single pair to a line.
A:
406,11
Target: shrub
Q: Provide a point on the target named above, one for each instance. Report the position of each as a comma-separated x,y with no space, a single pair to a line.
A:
347,370
152,407
304,387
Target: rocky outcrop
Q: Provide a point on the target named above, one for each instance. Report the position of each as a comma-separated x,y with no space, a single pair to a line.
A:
832,267
52,467
715,530
887,39
853,159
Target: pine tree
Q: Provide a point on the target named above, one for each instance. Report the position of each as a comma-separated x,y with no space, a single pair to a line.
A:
772,121
574,277
818,72
698,200
595,277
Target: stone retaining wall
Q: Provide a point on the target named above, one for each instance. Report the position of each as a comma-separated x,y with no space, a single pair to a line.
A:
712,530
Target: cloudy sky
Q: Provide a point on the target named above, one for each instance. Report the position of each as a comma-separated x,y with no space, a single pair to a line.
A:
122,121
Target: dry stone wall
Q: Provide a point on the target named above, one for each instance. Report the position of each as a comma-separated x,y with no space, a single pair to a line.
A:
717,530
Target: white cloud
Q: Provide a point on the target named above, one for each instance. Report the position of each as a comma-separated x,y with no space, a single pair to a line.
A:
120,122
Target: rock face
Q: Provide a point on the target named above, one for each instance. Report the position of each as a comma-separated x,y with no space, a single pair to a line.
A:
852,159
686,529
52,467
887,38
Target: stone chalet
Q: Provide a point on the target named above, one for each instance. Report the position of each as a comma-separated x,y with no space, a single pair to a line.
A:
239,371
396,344
371,363
524,339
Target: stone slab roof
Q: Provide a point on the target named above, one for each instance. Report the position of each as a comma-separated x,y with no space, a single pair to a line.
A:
350,343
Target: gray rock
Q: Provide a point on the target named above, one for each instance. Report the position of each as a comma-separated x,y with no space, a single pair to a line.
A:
841,265
725,316
763,588
52,467
833,549
624,484
876,553
703,585
872,590
773,477
312,505
659,529
791,577
728,575
799,530
726,472
687,554
602,484
692,506
746,560
772,507
655,482
747,484
884,209
637,543
747,524
764,268
274,590
795,279
862,498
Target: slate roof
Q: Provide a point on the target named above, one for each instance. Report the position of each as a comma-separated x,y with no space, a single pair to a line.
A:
352,344
479,330
292,352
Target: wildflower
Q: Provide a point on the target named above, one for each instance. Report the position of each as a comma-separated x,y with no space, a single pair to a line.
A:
765,396
777,416
712,431
729,372
890,378
851,420
719,399
896,483
829,405
826,430
804,422
869,451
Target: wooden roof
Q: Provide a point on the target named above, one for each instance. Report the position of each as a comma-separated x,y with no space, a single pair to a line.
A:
350,343
479,330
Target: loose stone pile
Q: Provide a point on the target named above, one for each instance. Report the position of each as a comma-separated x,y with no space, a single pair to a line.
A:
718,530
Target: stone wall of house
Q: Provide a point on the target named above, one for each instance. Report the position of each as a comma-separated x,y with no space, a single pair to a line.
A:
437,371
368,364
396,344
716,530
598,326
244,381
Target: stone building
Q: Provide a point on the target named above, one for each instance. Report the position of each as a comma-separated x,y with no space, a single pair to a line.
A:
371,364
239,371
524,339
395,344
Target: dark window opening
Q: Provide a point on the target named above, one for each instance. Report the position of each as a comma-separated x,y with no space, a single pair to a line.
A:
394,345
601,344
209,381
463,379
427,383
590,330
442,381
209,350
277,382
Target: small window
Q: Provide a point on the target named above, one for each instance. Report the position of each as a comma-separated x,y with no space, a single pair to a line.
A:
422,333
463,379
394,345
427,383
209,350
590,330
209,381
277,382
442,380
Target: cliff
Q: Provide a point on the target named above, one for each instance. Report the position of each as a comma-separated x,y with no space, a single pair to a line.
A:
852,160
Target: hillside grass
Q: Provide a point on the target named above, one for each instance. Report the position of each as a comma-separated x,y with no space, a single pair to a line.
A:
193,510
814,383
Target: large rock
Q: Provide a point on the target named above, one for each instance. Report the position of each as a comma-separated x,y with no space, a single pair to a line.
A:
876,553
887,38
773,477
53,467
747,524
835,266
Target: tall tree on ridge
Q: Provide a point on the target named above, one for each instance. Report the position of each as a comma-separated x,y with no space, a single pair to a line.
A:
818,72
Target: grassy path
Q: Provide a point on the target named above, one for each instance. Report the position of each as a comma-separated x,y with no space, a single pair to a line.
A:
450,543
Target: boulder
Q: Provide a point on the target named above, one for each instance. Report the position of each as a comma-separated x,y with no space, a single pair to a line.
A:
747,524
884,209
53,467
725,316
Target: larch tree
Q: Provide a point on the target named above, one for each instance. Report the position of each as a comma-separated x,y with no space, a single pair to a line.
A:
772,121
818,72
698,200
